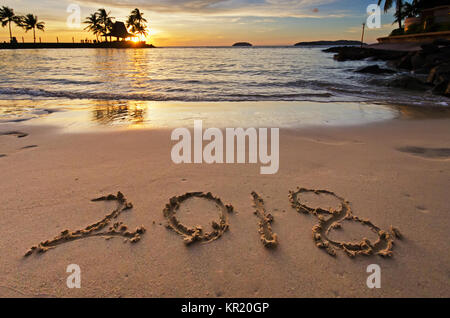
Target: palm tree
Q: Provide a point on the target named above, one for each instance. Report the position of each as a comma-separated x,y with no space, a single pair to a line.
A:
398,12
93,24
411,10
105,21
6,17
137,22
30,22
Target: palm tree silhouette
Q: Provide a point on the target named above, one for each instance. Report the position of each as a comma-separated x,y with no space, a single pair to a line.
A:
30,22
398,4
137,22
93,24
105,22
6,17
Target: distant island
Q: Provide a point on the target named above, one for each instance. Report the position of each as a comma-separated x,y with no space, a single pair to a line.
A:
339,42
242,44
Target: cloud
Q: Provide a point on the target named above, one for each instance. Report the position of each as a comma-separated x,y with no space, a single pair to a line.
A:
257,8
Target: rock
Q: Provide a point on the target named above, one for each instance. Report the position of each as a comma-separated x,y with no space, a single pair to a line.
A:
441,88
387,55
441,56
441,42
374,69
429,48
351,53
438,74
348,53
409,82
447,92
405,62
417,61
339,42
334,49
422,70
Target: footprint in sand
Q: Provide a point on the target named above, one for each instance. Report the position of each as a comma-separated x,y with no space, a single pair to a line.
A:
17,134
333,142
29,147
331,219
196,233
428,153
116,229
422,209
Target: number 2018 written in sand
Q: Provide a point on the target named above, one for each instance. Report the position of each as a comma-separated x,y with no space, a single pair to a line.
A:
328,220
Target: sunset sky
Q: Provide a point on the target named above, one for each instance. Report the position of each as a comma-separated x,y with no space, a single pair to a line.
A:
212,22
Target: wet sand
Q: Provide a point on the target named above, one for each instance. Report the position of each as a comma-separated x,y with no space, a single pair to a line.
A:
393,173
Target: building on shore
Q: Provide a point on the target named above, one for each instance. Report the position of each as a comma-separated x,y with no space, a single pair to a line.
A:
119,31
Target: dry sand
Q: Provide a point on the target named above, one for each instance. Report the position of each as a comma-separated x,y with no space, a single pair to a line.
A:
393,173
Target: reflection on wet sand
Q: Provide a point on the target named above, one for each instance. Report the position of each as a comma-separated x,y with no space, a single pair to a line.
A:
83,114
421,112
109,112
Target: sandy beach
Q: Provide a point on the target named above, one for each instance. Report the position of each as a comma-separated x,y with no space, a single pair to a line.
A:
395,172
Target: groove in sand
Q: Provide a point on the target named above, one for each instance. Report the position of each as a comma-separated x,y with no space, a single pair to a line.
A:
383,246
117,229
268,238
18,134
196,233
428,153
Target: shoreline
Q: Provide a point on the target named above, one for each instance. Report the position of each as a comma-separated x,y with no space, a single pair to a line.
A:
72,115
47,189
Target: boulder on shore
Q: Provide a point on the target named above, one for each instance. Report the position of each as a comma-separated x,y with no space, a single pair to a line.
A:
351,53
433,59
440,77
409,82
374,69
319,43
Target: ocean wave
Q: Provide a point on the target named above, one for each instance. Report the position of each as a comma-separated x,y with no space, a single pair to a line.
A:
156,96
317,91
64,81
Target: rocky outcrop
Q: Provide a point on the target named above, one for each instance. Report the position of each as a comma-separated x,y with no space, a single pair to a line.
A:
351,53
433,59
439,77
318,43
374,69
409,82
